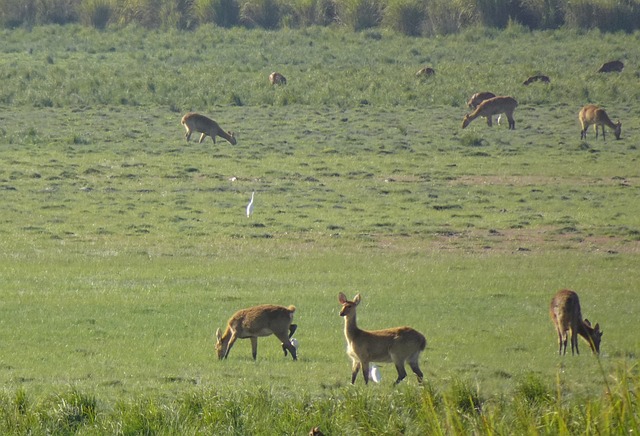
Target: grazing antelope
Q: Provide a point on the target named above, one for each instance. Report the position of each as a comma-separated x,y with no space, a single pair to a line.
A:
277,79
537,78
493,106
425,72
478,98
610,67
194,122
397,345
596,116
255,322
566,316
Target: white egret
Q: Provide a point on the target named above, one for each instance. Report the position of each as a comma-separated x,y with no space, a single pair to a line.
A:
250,206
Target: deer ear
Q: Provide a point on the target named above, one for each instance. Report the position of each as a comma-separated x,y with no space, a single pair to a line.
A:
586,321
597,327
342,298
357,298
218,334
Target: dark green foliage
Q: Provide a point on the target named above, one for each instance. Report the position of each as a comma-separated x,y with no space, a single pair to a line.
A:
405,16
260,13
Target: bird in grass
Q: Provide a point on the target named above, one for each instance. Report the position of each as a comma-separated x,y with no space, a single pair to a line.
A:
250,206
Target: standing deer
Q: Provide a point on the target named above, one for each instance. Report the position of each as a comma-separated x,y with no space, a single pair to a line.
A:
194,122
592,114
277,79
493,106
611,67
255,322
566,316
397,345
478,98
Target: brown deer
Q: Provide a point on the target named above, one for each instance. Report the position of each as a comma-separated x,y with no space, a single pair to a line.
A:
397,345
478,98
425,72
315,431
277,79
257,321
566,316
611,67
493,106
537,78
194,122
596,116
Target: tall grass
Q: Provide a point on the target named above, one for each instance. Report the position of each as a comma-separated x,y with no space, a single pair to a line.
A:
458,409
411,17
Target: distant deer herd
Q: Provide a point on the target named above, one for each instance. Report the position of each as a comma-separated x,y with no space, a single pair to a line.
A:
484,104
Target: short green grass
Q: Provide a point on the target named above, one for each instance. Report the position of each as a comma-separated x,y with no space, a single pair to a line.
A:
124,248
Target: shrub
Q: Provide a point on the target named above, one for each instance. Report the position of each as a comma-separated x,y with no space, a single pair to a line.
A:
359,14
446,17
260,13
96,13
405,16
606,16
224,13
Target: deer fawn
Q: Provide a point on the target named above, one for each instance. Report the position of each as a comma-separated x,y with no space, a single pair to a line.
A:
493,106
194,122
566,315
255,322
397,345
592,114
277,79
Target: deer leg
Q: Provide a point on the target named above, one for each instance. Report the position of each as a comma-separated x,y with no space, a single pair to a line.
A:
365,372
413,363
188,135
489,121
560,343
354,371
202,138
402,373
254,347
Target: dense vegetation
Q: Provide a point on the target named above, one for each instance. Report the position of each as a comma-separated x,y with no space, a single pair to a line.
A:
411,17
123,247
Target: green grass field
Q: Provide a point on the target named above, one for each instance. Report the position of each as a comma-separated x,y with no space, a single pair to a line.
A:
124,248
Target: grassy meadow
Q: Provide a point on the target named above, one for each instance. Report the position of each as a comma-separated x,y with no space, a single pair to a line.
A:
123,247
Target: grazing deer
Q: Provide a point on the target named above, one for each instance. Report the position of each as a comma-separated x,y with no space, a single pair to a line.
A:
611,67
277,79
478,98
493,106
566,316
397,345
255,322
596,116
537,78
194,122
425,72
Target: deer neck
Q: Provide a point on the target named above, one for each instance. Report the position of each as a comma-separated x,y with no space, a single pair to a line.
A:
224,135
350,326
